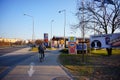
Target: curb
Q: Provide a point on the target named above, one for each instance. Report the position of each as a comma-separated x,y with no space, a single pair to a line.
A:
65,69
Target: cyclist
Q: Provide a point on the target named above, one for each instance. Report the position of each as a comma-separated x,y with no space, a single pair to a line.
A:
41,49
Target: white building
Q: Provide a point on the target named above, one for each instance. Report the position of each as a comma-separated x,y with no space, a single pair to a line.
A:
12,40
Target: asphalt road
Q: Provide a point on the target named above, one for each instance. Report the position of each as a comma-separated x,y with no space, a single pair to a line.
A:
10,49
10,59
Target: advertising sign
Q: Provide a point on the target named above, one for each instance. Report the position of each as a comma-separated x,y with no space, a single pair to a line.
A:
80,47
62,41
105,41
72,39
52,44
72,45
46,39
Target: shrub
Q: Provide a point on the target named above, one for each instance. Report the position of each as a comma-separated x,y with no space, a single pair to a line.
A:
64,51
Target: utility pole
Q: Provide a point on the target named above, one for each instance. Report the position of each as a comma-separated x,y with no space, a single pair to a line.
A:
51,32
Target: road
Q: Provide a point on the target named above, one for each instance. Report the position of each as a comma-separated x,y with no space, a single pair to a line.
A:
10,49
11,58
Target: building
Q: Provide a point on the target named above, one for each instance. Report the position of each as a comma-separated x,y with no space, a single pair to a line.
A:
12,40
59,41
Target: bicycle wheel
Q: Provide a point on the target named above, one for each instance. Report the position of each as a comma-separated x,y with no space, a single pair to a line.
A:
40,57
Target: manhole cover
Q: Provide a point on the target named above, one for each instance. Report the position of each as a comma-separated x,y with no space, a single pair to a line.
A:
61,78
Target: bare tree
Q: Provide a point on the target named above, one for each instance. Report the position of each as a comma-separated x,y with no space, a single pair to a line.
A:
99,16
38,41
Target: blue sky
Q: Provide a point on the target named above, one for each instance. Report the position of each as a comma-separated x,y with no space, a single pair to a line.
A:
13,23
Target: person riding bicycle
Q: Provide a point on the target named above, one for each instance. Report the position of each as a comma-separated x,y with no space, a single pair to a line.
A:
41,49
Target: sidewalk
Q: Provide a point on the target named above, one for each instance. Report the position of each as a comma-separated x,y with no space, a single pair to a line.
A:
32,69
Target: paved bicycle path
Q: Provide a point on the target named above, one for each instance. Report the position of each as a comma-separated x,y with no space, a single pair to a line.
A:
32,69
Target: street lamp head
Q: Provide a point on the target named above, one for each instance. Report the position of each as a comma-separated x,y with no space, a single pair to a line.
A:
52,20
24,14
62,11
59,11
28,15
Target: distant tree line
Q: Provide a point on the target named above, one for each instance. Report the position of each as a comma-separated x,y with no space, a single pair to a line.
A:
4,43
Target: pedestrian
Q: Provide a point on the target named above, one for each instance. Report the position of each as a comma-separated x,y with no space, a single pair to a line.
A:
41,49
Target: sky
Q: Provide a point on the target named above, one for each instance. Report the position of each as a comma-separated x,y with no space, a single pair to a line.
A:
14,24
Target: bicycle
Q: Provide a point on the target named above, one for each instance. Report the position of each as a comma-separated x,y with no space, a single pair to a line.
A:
41,49
41,57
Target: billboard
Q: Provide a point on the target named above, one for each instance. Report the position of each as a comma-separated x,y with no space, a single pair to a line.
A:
72,45
72,39
81,46
105,41
46,39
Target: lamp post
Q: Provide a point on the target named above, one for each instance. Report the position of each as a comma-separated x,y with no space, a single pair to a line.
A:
32,27
64,25
51,32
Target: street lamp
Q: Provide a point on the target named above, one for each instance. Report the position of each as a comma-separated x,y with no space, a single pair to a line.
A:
32,27
64,25
51,32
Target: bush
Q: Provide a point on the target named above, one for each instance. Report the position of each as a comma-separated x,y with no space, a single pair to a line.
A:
64,51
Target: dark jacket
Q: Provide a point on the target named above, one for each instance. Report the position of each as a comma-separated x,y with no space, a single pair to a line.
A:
41,48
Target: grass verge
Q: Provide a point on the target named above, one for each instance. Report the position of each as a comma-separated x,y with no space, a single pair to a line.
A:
35,49
96,66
